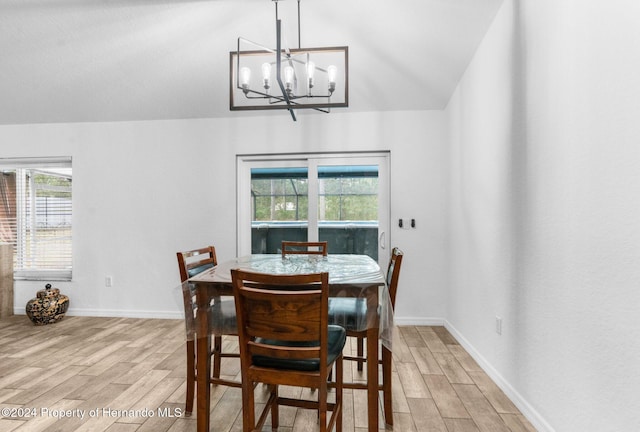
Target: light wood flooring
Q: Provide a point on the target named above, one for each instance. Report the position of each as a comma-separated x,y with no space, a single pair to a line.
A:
126,375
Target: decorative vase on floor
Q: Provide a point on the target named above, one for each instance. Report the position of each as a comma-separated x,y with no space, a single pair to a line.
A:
48,307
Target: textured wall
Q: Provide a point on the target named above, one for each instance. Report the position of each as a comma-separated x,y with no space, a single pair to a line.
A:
545,197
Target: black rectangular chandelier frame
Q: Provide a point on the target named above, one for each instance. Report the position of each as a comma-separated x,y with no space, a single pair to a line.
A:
244,98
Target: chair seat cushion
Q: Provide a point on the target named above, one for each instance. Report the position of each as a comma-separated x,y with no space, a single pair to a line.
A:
337,339
348,312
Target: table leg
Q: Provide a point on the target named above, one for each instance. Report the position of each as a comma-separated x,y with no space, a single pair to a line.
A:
386,385
203,361
372,378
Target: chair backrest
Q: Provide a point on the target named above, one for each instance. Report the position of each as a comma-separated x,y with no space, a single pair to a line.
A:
273,312
393,273
196,261
306,248
190,263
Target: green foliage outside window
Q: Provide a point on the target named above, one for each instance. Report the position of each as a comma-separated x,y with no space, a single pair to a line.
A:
280,199
341,199
52,186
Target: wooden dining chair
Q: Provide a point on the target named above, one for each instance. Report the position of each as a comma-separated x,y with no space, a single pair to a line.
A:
191,263
303,248
285,339
349,312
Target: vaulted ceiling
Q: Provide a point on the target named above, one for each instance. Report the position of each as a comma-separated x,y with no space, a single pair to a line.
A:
113,60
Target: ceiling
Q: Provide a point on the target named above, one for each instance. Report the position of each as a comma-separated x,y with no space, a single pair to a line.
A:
119,60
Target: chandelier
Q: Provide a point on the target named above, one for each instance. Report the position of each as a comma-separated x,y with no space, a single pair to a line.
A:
264,78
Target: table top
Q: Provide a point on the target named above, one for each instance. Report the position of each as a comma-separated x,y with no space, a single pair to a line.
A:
358,270
351,276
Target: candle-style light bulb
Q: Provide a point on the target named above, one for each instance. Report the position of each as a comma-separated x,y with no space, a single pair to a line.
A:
288,79
332,72
245,78
266,75
311,70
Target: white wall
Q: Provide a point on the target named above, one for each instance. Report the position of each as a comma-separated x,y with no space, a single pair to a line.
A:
144,190
545,200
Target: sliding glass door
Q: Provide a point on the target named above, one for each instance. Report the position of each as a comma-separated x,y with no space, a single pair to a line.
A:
341,199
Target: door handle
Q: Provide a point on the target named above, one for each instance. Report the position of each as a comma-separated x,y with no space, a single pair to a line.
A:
381,240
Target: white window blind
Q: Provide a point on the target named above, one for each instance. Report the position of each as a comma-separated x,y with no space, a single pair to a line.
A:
36,216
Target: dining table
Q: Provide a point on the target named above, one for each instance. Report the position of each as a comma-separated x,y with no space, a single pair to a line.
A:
355,276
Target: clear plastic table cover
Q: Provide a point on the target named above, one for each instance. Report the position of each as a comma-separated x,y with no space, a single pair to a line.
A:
350,276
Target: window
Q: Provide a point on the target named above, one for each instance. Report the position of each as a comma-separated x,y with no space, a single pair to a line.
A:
346,193
347,205
35,216
279,194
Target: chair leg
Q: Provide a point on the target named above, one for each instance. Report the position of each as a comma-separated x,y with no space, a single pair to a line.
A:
191,377
386,385
360,353
275,413
339,383
217,358
322,406
248,407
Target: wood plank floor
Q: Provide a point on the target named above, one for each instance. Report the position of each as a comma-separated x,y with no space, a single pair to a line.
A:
125,375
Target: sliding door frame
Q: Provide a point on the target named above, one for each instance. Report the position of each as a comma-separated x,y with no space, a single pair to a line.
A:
244,164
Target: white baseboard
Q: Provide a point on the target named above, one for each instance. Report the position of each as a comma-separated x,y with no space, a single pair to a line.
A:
520,402
415,321
115,313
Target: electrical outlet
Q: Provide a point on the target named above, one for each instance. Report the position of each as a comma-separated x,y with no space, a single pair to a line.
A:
108,281
498,325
